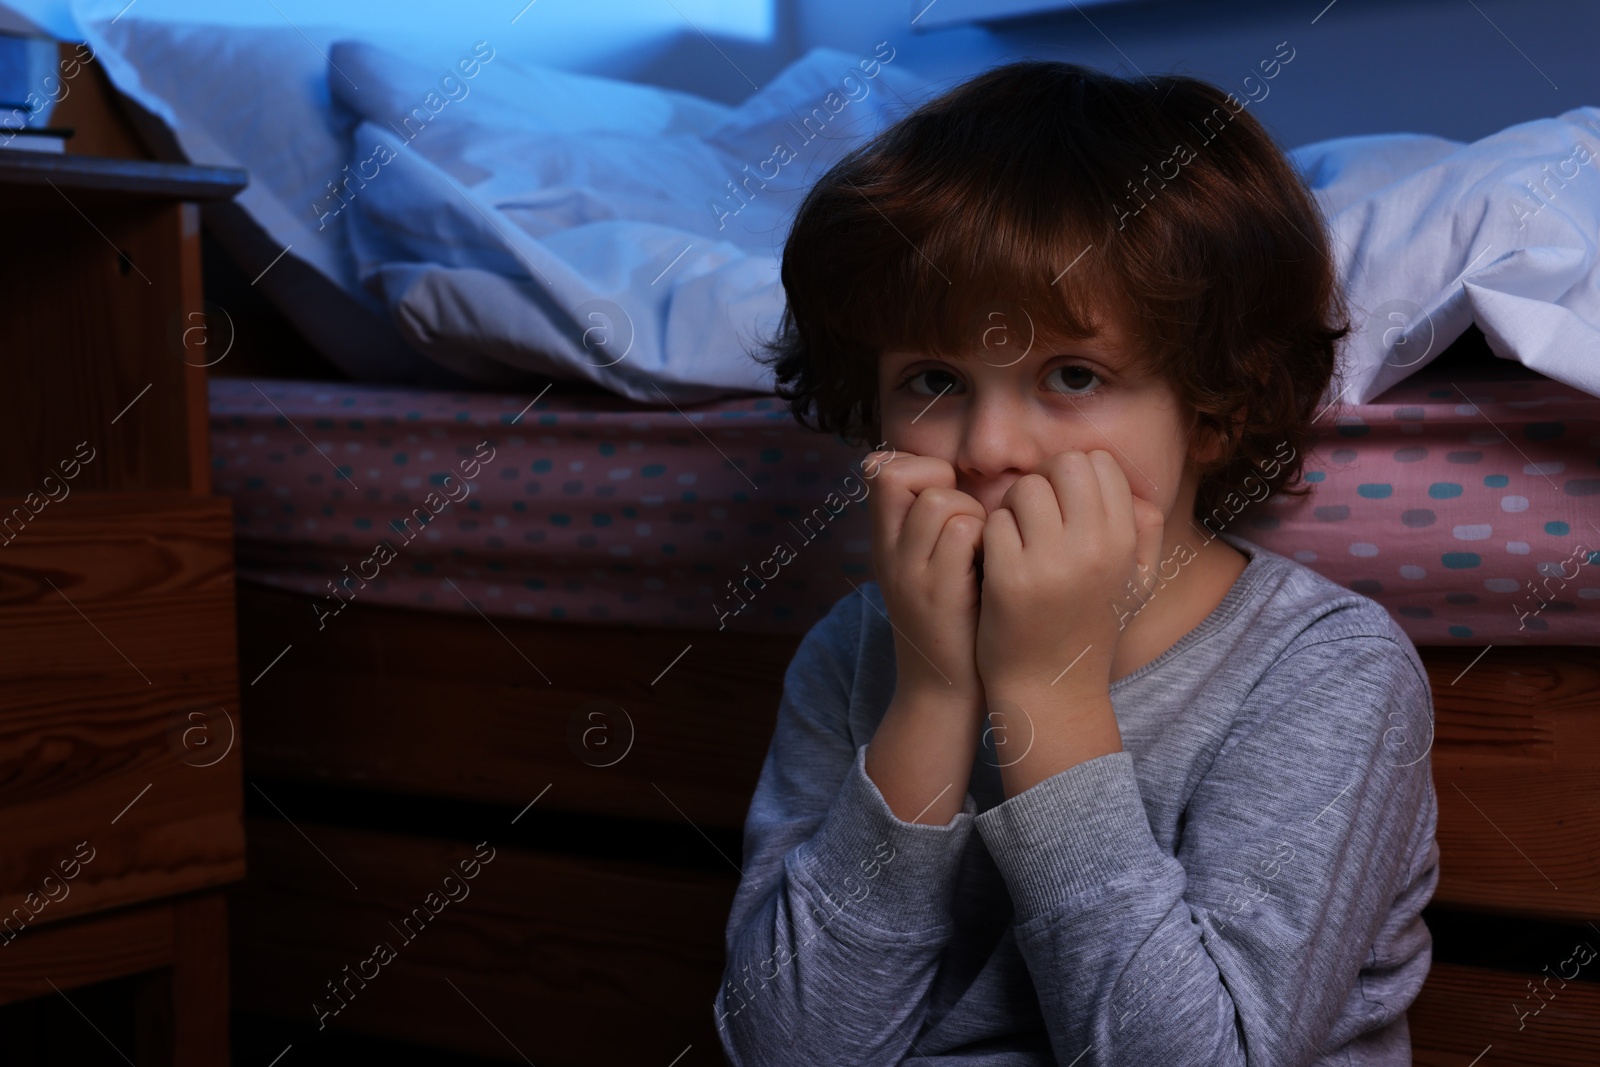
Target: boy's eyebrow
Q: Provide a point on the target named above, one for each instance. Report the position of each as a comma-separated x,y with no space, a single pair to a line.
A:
1099,345
1047,345
1116,357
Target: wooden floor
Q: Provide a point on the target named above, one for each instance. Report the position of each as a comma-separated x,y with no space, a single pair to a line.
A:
394,741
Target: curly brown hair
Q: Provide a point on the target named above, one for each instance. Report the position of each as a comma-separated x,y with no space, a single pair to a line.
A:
981,198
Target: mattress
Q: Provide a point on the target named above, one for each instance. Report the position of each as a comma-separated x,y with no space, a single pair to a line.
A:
1465,500
1460,500
581,506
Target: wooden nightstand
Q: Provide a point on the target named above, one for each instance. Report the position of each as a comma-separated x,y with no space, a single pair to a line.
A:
120,788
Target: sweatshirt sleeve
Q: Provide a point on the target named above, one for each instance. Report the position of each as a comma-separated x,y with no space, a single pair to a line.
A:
1245,947
842,909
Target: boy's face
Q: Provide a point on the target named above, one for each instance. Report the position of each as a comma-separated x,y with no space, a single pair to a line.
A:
1003,412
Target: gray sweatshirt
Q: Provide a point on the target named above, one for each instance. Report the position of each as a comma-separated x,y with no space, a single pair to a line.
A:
1241,885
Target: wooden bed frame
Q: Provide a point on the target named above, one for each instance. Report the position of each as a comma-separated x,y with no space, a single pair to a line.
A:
400,738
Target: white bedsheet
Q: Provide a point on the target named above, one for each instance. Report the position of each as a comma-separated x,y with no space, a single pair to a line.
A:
548,223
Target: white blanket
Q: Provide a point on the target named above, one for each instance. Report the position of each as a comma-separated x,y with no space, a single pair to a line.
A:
529,222
1432,235
642,259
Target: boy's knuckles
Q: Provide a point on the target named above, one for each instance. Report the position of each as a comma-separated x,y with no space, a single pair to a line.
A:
1032,487
945,499
1056,465
891,475
913,470
1030,482
966,528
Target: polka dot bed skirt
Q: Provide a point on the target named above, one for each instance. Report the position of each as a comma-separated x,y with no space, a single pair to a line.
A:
1467,504
1468,508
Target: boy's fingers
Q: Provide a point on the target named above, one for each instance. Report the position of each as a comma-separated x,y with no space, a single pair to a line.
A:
874,463
1114,491
899,481
1150,525
1077,488
1034,507
1125,511
959,541
890,501
1001,538
930,513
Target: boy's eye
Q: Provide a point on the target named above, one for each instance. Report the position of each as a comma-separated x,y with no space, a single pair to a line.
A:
1075,380
943,381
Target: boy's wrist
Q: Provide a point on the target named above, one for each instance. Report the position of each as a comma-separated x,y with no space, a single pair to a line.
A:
1061,697
1054,728
938,699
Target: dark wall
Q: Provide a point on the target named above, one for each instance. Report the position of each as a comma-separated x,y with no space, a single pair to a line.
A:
1456,68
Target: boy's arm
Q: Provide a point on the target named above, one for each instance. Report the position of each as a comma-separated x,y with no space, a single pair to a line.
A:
1297,843
843,909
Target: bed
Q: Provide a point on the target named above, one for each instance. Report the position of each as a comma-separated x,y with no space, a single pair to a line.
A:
1452,501
568,668
550,671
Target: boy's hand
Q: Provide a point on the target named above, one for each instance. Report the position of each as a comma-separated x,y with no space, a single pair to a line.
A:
925,537
1059,552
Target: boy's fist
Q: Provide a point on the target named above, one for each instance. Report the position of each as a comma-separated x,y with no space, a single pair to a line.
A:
1062,548
926,535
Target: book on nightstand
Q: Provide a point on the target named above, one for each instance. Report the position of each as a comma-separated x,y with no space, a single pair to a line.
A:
35,138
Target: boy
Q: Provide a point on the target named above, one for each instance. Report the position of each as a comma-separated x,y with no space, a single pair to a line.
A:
1080,779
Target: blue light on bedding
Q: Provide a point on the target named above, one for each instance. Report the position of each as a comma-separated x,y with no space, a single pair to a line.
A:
492,222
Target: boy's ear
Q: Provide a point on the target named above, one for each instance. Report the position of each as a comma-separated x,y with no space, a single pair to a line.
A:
1205,443
1208,444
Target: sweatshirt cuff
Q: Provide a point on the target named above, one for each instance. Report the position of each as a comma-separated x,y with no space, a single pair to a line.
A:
1067,838
877,869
